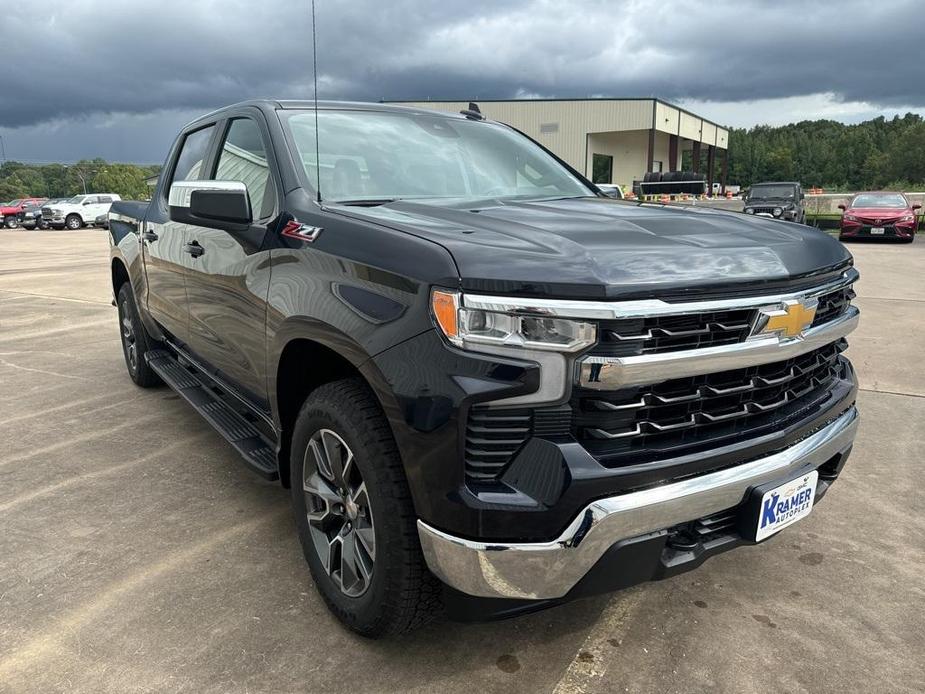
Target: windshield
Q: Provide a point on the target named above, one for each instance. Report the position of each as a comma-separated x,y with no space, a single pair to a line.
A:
375,155
76,200
879,200
14,203
770,192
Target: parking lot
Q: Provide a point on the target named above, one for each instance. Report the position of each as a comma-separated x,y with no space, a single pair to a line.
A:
138,554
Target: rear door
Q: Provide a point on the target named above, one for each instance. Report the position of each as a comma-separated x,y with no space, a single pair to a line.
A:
228,279
164,241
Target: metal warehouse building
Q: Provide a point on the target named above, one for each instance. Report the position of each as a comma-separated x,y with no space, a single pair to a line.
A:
611,140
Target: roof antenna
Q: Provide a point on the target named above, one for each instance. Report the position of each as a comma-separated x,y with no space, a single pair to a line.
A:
315,79
473,112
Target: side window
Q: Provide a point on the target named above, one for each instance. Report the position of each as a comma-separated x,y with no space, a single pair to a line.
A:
192,153
243,158
104,198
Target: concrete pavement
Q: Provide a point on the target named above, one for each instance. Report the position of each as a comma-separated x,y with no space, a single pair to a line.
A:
137,554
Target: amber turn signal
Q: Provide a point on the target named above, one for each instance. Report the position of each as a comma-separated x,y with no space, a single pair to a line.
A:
445,307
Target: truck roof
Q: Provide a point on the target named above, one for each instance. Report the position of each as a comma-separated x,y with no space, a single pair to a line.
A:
308,105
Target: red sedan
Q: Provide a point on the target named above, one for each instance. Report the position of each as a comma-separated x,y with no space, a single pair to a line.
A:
872,215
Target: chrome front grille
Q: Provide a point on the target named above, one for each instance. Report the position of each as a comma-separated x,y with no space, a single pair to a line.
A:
633,336
674,333
641,423
833,304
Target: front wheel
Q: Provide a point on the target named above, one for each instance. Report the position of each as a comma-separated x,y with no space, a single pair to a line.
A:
9,222
73,222
354,513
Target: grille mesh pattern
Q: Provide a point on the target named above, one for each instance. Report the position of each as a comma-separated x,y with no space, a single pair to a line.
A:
639,424
628,337
833,305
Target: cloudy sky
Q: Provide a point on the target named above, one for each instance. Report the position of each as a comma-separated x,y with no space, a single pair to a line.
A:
116,78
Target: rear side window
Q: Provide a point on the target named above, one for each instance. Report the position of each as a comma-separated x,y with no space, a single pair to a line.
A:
192,153
243,158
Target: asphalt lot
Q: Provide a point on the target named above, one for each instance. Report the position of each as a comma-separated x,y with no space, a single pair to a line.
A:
137,554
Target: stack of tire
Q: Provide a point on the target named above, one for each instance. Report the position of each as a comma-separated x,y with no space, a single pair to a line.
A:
673,183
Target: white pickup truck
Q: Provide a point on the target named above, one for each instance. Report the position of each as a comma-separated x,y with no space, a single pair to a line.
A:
79,210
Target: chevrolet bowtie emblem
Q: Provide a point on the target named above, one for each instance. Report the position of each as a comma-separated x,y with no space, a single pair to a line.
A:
789,321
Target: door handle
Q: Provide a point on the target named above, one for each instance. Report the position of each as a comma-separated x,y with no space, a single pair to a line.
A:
148,236
194,249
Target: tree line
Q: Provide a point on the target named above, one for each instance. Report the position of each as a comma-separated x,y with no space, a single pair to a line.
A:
20,180
875,154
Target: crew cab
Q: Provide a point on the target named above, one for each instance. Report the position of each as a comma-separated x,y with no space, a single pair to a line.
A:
879,215
9,212
78,211
485,384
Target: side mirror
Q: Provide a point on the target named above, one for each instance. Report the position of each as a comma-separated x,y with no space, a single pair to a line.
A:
843,207
916,206
802,195
216,204
87,202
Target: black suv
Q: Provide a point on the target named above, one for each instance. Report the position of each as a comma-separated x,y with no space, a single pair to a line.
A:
777,200
483,382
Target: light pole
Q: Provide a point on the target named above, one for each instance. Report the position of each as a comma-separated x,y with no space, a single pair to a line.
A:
2,149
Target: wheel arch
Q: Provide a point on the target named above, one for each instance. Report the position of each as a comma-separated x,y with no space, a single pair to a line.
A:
308,355
119,275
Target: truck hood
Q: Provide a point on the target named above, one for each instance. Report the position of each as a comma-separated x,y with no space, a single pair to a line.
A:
600,248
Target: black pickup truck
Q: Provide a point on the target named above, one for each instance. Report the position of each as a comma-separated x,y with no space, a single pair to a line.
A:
485,384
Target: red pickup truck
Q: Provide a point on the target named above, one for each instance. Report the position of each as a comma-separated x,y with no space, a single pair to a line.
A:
10,210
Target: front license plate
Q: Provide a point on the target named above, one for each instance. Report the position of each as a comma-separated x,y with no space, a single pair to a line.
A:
786,504
877,230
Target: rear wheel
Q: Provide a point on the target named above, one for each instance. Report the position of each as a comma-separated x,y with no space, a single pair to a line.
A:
73,221
354,513
135,339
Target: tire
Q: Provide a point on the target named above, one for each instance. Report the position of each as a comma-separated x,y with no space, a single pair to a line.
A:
9,222
375,594
136,342
73,222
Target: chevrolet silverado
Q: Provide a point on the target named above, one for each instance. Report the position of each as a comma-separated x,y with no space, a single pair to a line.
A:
486,385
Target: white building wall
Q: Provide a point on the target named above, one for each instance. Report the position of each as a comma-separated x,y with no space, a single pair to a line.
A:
575,129
560,125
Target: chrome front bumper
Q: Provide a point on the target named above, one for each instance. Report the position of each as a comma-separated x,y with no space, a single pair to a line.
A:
548,570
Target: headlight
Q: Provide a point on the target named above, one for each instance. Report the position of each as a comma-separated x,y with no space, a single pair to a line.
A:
749,210
908,218
776,211
850,218
468,328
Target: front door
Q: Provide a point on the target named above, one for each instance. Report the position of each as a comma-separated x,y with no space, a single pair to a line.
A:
164,241
228,278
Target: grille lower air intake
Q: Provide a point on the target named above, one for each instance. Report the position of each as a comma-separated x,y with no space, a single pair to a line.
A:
493,436
643,423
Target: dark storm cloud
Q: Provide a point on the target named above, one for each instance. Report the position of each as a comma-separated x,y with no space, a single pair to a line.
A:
66,62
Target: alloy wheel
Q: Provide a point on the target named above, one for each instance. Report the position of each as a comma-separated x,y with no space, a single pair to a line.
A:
340,518
128,336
